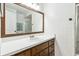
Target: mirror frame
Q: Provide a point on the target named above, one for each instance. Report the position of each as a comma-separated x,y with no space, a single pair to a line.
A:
3,22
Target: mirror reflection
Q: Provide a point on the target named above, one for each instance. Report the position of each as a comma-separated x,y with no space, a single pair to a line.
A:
22,20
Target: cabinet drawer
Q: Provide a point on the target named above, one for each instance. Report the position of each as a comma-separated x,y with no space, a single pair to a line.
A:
23,53
52,54
44,52
28,53
51,42
51,49
39,48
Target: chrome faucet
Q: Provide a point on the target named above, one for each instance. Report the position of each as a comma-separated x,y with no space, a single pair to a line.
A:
32,36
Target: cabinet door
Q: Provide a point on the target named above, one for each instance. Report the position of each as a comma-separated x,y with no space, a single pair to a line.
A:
51,47
39,48
24,53
51,50
52,54
28,53
44,52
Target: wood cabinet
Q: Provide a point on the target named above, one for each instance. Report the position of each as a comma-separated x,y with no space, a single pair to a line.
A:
51,47
44,49
39,48
44,52
24,53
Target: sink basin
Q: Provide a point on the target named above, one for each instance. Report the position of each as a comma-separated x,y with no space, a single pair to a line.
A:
35,39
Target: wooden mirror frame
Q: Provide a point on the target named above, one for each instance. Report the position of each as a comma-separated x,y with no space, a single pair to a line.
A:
3,22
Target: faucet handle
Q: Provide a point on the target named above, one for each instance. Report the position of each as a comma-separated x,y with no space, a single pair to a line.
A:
31,36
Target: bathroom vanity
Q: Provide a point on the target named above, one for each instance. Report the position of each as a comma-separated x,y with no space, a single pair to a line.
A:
38,46
43,49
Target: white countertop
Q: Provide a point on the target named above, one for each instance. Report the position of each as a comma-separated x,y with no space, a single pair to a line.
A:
13,47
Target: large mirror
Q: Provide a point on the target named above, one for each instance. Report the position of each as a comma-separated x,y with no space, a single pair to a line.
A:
20,19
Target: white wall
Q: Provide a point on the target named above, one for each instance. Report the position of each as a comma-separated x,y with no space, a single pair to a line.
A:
56,21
